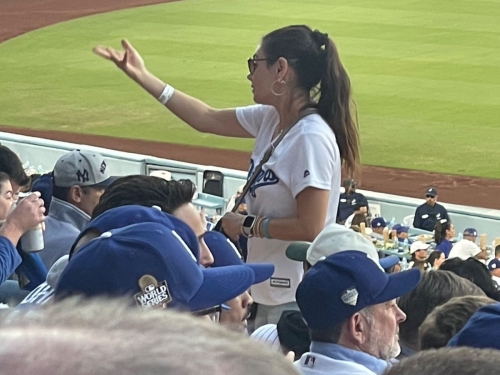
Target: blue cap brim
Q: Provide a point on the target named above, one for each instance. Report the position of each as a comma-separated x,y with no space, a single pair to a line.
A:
262,271
389,261
399,283
221,285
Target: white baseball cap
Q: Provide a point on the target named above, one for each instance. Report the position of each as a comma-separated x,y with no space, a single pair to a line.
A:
334,238
418,245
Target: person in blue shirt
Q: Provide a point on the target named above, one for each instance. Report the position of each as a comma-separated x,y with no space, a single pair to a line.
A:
427,214
350,200
443,233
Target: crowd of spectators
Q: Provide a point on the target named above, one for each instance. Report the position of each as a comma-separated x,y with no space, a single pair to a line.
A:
117,246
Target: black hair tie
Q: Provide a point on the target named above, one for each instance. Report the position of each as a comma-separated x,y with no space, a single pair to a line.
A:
320,38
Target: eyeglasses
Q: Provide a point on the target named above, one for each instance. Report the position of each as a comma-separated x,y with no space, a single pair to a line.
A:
252,64
212,312
429,196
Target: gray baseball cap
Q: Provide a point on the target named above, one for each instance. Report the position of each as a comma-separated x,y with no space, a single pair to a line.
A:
82,168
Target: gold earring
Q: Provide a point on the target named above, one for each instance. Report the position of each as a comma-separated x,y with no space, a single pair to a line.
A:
281,82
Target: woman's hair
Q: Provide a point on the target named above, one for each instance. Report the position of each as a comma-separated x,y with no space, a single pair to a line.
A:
10,164
436,254
316,62
3,177
475,271
440,230
146,191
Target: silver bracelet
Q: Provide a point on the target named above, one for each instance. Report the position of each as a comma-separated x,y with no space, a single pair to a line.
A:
166,94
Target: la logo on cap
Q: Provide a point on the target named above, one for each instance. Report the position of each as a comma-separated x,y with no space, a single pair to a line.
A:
350,296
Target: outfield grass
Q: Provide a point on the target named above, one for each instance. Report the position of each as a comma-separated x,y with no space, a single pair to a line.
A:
425,73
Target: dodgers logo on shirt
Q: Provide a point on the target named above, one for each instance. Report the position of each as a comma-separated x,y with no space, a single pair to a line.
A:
264,178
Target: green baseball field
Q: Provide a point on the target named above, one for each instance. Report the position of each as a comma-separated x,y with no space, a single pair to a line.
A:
424,73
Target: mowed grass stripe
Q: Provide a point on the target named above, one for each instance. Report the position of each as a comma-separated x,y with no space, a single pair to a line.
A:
424,74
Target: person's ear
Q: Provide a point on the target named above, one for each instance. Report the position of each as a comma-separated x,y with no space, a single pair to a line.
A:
75,194
282,68
358,328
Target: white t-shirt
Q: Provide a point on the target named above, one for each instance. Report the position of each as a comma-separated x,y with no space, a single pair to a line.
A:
464,249
308,156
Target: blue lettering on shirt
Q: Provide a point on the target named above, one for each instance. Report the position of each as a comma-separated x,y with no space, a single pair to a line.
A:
264,178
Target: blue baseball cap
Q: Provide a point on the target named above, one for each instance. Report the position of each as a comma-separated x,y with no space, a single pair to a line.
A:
470,232
123,216
389,261
346,282
400,228
481,330
494,264
225,254
378,222
150,263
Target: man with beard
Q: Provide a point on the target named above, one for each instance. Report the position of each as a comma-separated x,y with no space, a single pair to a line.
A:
349,305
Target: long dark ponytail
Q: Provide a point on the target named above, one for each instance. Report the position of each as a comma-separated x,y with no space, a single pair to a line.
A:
316,61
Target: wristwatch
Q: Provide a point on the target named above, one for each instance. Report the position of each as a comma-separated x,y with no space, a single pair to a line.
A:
247,226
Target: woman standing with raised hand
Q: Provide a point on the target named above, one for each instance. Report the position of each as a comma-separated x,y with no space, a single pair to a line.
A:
294,72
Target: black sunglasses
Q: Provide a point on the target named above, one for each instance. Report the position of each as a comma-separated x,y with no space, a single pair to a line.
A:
252,64
429,196
212,312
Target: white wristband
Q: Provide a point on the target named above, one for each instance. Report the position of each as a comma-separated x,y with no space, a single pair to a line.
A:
166,94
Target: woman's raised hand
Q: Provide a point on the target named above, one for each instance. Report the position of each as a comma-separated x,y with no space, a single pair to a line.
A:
127,60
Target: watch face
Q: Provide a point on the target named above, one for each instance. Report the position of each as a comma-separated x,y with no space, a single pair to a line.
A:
247,223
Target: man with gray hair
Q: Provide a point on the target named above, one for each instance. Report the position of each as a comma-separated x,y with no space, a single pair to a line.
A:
108,337
349,305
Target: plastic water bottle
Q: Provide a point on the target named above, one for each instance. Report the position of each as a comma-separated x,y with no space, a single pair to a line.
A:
26,165
460,236
39,169
405,245
404,264
392,222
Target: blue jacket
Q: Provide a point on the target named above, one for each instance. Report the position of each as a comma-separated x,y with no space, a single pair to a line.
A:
444,246
62,226
9,258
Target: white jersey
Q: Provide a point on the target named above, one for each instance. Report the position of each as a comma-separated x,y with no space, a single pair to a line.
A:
308,156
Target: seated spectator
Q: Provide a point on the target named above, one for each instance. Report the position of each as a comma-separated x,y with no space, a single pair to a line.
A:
106,337
289,335
475,271
378,224
435,260
494,267
79,179
358,219
349,199
401,232
497,251
349,305
153,268
467,248
12,166
434,289
481,330
27,214
446,361
427,214
449,318
418,251
443,233
360,208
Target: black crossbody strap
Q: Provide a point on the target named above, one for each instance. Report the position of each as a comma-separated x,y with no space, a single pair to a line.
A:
267,156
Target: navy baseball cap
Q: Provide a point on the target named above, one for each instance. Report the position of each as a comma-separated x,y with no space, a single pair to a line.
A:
225,254
431,191
378,222
346,282
150,263
400,228
494,264
123,216
481,330
470,232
